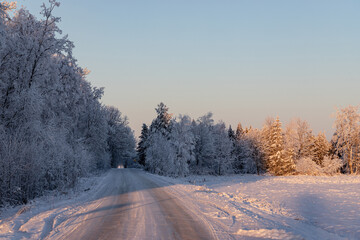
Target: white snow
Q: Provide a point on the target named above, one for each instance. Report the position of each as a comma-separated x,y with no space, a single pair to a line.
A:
291,207
236,206
36,219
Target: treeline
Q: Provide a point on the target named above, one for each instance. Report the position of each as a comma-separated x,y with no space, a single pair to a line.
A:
181,146
53,127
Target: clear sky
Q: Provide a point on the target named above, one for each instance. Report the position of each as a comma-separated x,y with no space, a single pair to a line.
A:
241,60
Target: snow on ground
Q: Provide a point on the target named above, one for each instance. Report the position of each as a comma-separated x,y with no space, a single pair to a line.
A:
242,206
34,220
291,207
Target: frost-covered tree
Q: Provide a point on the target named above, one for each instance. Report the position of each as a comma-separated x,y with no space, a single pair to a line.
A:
257,156
347,126
121,140
53,128
279,161
297,136
242,151
162,122
231,134
159,151
239,132
183,142
160,154
321,148
248,151
223,157
141,148
171,153
332,165
204,145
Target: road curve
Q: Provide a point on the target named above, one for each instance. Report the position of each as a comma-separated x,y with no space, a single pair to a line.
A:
132,204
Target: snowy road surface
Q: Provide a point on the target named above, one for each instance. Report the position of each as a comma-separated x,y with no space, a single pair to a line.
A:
126,204
133,206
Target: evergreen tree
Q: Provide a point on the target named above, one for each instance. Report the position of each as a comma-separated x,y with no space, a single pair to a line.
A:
231,134
266,137
162,122
141,149
309,147
159,152
279,162
241,150
287,165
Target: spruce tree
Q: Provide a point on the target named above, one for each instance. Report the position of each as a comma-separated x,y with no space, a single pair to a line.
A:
231,134
162,122
142,144
241,150
279,161
159,152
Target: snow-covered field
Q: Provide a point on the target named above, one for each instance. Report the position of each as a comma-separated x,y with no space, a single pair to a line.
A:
237,206
291,207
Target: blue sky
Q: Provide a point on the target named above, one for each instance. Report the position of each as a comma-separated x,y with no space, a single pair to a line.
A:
241,60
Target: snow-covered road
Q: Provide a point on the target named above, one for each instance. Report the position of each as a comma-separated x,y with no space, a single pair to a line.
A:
130,204
125,204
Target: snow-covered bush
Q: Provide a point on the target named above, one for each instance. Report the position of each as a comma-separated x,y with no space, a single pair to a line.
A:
332,166
308,167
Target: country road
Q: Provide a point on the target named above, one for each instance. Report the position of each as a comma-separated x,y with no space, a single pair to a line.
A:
132,205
